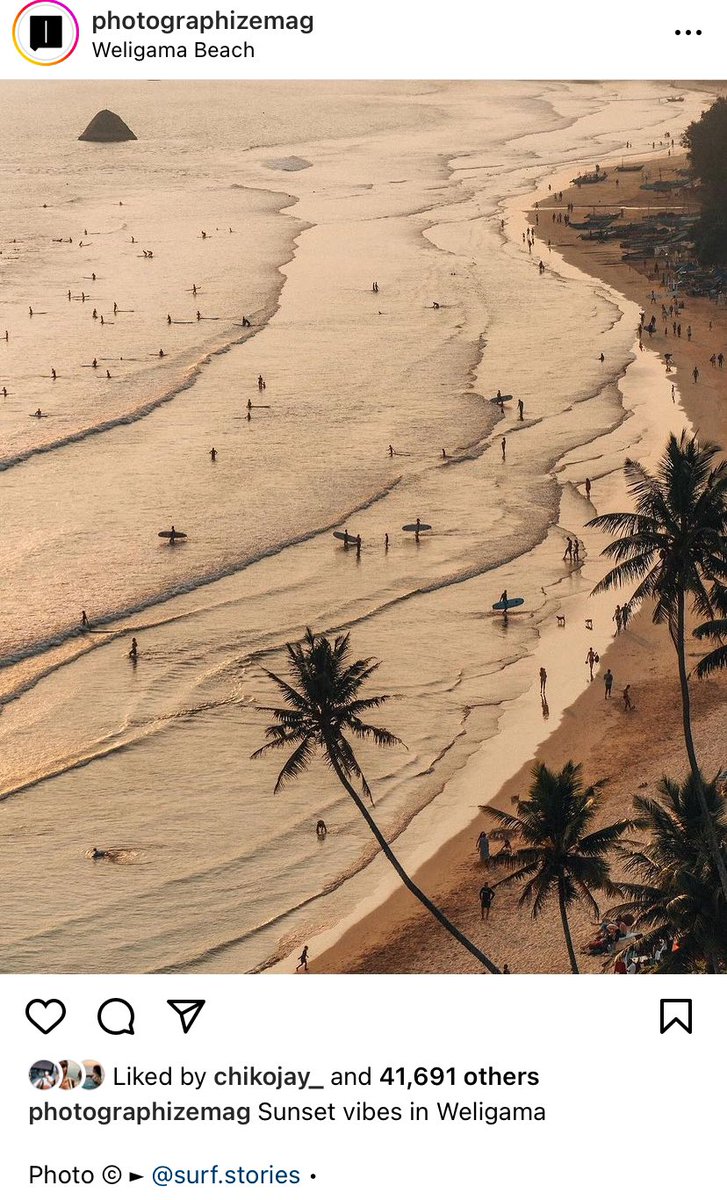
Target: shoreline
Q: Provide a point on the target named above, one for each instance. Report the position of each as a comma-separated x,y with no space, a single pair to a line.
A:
394,936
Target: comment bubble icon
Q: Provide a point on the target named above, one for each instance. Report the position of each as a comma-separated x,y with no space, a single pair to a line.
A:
116,1016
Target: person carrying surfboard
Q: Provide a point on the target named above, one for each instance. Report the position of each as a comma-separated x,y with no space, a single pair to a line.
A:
503,602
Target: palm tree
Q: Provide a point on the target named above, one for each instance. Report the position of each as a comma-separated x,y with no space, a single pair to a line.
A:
716,659
675,546
324,706
678,896
557,855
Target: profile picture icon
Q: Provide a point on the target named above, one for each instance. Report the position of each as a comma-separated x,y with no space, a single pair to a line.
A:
94,1073
71,1074
44,1075
45,32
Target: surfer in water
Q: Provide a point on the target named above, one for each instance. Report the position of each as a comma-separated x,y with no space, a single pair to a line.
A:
38,413
391,451
97,854
416,530
249,405
53,374
134,651
386,541
260,383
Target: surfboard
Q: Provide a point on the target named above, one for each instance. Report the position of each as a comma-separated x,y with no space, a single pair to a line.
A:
413,528
167,533
348,538
515,602
498,399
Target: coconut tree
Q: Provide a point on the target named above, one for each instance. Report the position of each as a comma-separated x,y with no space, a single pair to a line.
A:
715,630
677,894
324,707
558,855
674,547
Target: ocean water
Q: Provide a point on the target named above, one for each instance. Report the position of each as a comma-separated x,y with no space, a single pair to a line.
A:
306,194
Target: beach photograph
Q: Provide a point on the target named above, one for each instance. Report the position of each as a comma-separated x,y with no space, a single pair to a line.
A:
363,481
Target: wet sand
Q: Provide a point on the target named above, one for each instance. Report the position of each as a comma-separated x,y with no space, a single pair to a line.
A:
611,743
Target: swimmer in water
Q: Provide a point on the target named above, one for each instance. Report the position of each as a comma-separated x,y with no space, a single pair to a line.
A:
134,651
97,854
213,454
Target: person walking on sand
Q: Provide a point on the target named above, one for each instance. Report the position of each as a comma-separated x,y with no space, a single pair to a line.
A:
618,618
627,698
503,602
520,410
487,895
625,614
483,847
543,681
568,550
503,447
695,374
84,619
591,660
303,960
576,550
608,683
588,489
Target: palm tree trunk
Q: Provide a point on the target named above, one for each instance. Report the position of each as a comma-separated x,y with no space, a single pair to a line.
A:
405,879
566,928
710,831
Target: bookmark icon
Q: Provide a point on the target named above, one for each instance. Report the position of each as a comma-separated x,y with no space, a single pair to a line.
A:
187,1011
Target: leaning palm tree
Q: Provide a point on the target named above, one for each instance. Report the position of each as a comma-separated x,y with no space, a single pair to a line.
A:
676,895
557,854
324,706
675,547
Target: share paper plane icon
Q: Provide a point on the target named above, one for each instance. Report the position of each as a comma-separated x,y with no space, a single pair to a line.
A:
187,1011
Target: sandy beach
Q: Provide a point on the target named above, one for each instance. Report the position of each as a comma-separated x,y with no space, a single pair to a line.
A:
612,744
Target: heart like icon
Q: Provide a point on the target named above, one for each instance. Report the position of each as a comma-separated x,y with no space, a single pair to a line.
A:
45,1014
